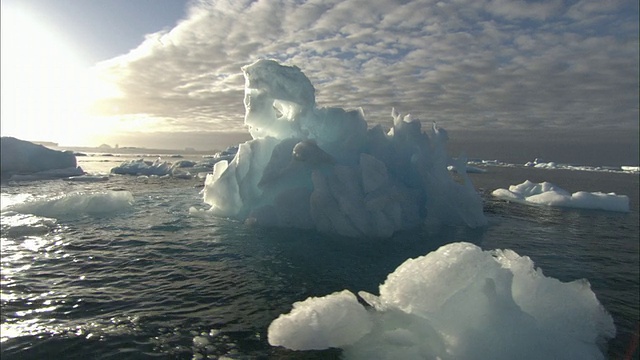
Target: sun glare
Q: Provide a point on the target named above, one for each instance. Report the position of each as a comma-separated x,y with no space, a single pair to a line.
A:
46,87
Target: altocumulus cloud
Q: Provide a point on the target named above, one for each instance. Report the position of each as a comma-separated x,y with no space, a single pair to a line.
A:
464,64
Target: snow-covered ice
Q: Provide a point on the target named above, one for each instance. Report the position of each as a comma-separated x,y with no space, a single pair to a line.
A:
548,194
458,302
322,168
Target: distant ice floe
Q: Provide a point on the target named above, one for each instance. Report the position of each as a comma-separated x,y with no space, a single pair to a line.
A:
551,165
468,169
75,204
631,169
322,168
458,302
540,164
142,167
548,194
185,169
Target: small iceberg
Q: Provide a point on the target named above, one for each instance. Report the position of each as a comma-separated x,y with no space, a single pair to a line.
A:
548,194
459,302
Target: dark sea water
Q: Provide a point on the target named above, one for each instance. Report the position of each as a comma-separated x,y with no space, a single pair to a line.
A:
154,282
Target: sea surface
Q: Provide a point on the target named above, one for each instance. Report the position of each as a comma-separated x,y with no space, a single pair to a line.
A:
151,281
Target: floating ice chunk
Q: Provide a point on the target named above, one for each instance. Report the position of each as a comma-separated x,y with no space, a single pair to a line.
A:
76,204
321,168
551,195
180,169
458,302
142,167
334,320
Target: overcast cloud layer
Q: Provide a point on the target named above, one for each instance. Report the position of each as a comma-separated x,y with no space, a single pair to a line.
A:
466,64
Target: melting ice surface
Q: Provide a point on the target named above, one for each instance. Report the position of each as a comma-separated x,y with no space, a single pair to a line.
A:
545,193
458,302
72,204
322,168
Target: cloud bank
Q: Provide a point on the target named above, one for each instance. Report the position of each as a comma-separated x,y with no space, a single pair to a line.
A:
466,64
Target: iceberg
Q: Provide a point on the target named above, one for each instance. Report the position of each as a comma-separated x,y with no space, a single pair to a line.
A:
458,302
183,169
24,160
548,194
142,167
322,168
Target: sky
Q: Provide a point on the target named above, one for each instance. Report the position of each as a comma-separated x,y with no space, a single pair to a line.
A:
166,73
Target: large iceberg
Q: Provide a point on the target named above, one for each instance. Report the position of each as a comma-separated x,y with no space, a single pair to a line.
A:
323,168
458,302
25,159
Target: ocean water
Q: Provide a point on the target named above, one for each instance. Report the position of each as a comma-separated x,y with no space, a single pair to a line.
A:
151,281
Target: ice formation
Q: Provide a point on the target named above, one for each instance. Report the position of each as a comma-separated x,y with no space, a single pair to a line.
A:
158,167
25,160
552,165
75,204
142,167
545,193
538,164
322,168
458,302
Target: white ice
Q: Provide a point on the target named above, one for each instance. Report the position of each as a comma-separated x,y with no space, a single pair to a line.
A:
75,204
552,165
458,302
322,168
142,167
548,194
179,169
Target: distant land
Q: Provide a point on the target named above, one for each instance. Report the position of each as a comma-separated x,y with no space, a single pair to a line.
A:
593,147
129,150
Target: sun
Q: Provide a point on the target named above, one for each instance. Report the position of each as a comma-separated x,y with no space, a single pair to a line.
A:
47,86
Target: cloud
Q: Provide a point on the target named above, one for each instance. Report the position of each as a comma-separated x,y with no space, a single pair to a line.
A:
521,9
503,64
